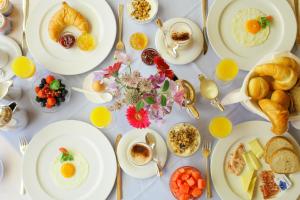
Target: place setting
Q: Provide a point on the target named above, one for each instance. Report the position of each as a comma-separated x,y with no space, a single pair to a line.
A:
95,104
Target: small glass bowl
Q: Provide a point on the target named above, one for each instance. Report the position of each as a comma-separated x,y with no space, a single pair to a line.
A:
37,81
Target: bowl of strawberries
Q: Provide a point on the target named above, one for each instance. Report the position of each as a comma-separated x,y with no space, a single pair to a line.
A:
50,91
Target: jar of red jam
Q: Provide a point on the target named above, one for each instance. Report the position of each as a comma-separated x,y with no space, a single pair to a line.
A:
6,7
5,25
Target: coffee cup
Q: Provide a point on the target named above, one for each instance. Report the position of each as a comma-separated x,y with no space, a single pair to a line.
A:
139,153
180,34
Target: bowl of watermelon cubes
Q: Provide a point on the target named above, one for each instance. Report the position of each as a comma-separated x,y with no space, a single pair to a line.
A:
50,91
187,183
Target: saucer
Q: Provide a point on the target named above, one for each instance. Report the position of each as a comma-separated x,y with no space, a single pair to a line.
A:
186,54
13,50
87,85
148,170
1,170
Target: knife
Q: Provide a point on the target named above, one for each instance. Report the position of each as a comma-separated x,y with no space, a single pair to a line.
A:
205,41
25,15
119,172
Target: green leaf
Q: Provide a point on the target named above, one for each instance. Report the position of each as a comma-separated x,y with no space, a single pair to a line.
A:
149,100
55,85
166,86
264,22
66,157
140,105
163,100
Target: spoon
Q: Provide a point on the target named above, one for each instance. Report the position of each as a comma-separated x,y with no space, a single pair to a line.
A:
210,91
150,140
106,97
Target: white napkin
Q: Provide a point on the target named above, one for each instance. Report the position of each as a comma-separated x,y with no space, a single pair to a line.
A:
10,185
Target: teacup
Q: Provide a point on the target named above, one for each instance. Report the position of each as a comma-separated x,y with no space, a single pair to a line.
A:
139,153
3,58
180,34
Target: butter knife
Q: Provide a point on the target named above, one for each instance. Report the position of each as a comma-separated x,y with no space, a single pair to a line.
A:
205,38
119,172
25,16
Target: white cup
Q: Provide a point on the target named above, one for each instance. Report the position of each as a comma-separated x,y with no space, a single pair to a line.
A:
3,58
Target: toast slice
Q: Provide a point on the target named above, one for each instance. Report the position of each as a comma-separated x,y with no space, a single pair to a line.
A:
275,144
284,161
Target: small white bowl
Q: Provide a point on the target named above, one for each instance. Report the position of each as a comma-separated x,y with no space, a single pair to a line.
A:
1,170
153,11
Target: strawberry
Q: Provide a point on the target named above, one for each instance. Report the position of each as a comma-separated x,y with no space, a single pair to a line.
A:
49,79
48,106
63,150
41,94
37,89
51,101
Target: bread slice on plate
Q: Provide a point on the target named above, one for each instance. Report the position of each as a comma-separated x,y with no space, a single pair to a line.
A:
284,161
275,144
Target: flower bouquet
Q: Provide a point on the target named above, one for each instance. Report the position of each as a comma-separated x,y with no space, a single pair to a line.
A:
146,98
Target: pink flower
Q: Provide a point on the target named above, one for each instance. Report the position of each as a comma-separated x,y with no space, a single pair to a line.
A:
137,119
122,57
112,70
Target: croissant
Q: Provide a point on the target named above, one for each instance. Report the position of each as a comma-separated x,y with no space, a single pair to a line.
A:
258,88
277,114
66,16
282,98
284,77
290,62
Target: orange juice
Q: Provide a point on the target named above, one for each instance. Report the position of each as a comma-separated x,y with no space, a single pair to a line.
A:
220,127
227,70
139,41
23,67
101,117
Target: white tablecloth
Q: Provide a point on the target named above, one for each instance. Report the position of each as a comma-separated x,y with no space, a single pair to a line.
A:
79,108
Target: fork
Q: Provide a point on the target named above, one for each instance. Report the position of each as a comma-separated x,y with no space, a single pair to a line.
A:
206,150
120,45
23,143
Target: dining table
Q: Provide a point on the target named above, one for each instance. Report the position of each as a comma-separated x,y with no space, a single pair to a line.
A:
79,108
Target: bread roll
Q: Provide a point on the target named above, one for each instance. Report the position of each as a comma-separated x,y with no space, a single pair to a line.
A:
277,114
290,62
284,77
258,88
295,95
282,98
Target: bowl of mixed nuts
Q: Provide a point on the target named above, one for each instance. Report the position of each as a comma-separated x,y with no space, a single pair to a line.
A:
183,139
142,11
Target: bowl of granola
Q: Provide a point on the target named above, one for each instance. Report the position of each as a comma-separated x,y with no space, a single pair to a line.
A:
142,11
183,139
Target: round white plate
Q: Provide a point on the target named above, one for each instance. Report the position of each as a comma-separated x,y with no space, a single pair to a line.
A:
87,85
187,54
79,137
70,61
229,186
282,31
13,50
148,170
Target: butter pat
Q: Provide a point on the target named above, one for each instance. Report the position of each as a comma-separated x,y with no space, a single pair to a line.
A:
254,161
251,188
256,148
282,181
246,178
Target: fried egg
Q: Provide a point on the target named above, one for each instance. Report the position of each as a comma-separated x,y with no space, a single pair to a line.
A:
70,174
246,28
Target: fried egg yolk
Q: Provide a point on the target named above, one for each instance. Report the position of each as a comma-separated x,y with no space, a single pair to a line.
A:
68,170
253,26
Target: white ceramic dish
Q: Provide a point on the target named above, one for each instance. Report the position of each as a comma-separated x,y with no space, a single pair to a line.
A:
87,85
227,185
90,142
153,11
187,54
146,171
13,50
242,93
282,36
71,61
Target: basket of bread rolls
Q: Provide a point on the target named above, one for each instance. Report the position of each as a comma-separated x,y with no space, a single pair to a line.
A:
273,88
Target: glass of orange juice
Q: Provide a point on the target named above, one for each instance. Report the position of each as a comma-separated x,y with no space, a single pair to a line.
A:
101,117
226,71
23,67
220,127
